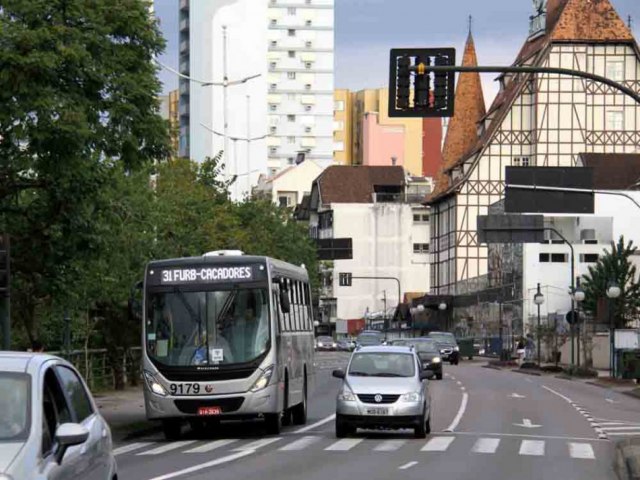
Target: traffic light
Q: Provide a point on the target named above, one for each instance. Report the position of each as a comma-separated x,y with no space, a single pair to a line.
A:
422,82
4,264
404,82
440,85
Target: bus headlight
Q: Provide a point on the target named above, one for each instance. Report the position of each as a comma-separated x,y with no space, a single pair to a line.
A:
264,379
154,386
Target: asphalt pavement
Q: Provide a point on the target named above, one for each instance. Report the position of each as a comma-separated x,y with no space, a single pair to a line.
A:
487,425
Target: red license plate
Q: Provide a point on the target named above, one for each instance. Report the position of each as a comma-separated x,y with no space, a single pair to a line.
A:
208,411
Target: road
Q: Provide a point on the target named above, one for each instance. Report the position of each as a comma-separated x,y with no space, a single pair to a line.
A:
487,424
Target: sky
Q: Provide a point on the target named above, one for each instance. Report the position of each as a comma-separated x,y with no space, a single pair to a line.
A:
366,30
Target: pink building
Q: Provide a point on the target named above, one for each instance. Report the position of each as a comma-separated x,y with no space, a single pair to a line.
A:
382,143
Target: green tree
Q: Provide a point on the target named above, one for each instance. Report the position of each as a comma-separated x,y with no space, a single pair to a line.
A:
78,90
615,265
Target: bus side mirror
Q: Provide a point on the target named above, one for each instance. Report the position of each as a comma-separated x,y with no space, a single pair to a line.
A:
285,304
135,304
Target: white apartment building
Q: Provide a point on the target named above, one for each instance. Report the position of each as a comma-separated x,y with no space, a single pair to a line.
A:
285,111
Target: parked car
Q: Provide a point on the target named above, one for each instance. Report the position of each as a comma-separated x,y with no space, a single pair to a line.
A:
449,350
326,344
383,387
50,427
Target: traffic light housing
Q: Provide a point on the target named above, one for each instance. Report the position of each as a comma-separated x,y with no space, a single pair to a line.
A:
410,80
5,261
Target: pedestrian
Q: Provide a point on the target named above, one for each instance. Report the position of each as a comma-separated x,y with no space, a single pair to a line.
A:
520,351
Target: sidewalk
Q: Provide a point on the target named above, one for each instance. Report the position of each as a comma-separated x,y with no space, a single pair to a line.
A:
124,412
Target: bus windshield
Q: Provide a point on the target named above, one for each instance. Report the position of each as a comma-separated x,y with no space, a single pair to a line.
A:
213,327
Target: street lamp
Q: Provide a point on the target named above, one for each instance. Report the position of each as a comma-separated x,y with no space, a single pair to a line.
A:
442,306
578,297
538,299
420,308
613,292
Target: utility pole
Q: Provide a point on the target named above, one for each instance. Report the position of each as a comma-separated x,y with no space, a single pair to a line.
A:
225,86
249,145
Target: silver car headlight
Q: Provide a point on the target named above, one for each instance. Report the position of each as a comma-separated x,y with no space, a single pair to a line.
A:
436,360
320,344
263,380
153,385
412,397
346,396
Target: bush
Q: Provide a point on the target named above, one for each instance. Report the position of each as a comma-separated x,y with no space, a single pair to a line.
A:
581,372
503,363
551,369
529,366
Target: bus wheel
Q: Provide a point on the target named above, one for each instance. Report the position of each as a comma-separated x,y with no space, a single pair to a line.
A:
273,422
172,429
299,412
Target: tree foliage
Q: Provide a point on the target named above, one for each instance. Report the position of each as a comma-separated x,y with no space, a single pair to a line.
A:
614,266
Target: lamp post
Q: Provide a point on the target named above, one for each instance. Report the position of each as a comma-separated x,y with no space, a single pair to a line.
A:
613,292
578,297
538,299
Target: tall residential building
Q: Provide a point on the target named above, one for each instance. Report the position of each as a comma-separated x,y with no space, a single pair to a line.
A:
342,118
287,110
169,111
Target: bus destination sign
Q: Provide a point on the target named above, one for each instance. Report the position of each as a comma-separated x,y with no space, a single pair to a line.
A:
204,274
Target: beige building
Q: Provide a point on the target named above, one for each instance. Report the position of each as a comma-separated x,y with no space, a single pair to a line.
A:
342,127
289,186
169,111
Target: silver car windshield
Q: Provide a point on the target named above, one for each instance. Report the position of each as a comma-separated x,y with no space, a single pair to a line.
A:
382,365
14,405
208,328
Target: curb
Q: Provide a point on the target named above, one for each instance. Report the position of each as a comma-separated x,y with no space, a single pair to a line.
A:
525,372
492,367
627,459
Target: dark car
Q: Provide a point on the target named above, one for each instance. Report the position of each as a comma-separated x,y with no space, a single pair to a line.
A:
429,354
449,350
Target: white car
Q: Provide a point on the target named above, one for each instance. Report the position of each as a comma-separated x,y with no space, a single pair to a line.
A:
50,427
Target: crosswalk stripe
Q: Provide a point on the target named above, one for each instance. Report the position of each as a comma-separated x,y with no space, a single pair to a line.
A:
132,447
438,444
581,450
168,447
344,444
486,445
390,445
257,444
613,429
300,444
209,446
532,447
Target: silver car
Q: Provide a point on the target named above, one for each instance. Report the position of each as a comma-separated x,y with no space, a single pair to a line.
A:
384,387
50,428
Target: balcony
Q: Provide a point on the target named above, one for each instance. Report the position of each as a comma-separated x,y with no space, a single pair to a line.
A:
184,25
184,4
184,46
184,109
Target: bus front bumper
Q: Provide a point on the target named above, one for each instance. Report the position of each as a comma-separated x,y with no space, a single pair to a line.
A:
246,405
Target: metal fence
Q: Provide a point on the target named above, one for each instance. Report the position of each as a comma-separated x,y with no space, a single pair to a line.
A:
98,368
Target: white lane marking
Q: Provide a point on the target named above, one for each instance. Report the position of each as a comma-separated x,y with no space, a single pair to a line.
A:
131,447
168,447
581,450
619,423
613,429
202,466
344,445
407,466
526,423
257,444
519,435
459,382
486,445
390,445
516,395
300,444
317,424
461,410
209,446
566,399
622,434
532,448
438,444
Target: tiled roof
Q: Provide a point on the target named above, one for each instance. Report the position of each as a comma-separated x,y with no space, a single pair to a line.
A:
355,184
567,21
462,133
613,171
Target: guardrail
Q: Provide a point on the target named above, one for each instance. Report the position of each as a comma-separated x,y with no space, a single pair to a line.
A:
100,371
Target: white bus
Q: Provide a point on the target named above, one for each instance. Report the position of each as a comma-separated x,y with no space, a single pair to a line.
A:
226,336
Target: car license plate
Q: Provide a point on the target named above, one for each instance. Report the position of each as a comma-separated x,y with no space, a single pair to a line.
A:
208,411
377,411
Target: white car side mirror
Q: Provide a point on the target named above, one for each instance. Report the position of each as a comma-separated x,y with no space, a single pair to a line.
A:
69,435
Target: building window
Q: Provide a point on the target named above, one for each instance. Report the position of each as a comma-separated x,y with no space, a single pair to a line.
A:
291,140
307,108
307,129
292,54
308,44
615,120
291,97
274,21
338,146
273,171
291,118
287,199
589,258
291,10
291,32
274,43
307,86
273,107
291,160
273,86
521,161
273,130
273,150
338,105
273,65
308,65
308,23
291,75
325,220
420,218
421,248
544,258
559,258
615,70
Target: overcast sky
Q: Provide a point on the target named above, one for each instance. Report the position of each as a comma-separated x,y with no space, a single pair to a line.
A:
367,29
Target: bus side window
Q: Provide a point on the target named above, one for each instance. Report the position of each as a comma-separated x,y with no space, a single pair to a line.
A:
295,307
303,306
277,309
287,316
307,294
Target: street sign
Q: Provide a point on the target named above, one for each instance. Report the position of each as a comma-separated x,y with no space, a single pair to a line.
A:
510,228
416,92
520,199
345,279
573,317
